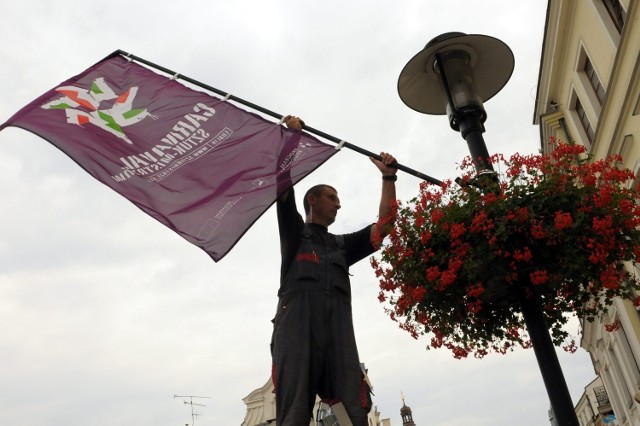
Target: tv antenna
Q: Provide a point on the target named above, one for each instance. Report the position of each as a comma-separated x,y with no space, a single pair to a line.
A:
190,402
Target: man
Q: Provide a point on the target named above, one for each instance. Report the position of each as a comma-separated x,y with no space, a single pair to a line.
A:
313,345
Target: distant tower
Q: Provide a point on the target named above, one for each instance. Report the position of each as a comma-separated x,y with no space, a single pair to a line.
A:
405,413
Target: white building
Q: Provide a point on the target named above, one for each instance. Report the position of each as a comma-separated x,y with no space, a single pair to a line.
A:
589,93
594,407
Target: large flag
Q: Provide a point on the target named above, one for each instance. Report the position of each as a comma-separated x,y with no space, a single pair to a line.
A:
198,164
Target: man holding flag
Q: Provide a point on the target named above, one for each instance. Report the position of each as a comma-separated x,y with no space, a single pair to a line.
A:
208,170
313,345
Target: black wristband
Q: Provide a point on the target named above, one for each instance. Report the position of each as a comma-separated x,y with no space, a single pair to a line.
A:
391,178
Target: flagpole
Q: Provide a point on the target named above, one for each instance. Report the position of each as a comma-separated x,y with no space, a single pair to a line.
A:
251,105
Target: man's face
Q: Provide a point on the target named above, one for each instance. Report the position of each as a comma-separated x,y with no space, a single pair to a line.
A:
324,208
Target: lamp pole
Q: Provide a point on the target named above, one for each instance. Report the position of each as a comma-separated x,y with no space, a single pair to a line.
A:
454,74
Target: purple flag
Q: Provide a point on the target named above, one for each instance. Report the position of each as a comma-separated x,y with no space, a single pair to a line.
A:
198,164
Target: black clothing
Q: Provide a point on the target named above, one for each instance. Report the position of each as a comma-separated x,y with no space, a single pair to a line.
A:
314,348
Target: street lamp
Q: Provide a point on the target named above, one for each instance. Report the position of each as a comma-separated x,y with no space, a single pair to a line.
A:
454,74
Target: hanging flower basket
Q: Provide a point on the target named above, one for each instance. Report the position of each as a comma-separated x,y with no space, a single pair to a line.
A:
461,256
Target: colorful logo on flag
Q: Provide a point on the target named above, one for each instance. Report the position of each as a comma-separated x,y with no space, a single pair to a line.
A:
82,106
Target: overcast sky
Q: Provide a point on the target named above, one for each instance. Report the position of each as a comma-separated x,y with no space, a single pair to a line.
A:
105,314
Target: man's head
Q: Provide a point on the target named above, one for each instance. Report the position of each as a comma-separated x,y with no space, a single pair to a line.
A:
321,204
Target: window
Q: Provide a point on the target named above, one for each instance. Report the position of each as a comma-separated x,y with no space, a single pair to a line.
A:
594,80
582,115
617,13
601,396
634,369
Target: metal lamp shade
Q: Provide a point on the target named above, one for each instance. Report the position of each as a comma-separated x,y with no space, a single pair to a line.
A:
491,62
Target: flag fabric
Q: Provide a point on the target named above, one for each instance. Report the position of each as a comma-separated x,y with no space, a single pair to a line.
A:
197,163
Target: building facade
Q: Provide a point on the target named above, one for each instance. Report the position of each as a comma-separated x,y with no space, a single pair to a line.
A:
594,407
589,93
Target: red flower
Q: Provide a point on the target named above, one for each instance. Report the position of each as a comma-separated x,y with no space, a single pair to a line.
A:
539,277
598,255
475,290
554,222
424,237
572,347
433,273
611,278
523,255
537,231
562,220
456,230
479,222
446,279
436,216
603,225
614,326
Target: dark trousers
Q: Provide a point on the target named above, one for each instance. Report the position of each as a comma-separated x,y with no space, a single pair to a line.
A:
314,353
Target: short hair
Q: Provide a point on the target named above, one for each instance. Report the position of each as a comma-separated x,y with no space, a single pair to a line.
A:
316,191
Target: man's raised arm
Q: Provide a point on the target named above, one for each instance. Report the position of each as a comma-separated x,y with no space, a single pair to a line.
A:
385,221
292,122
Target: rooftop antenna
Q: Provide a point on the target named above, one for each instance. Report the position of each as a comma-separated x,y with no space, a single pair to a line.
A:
191,403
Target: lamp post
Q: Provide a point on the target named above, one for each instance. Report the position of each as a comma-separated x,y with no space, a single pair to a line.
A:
454,74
